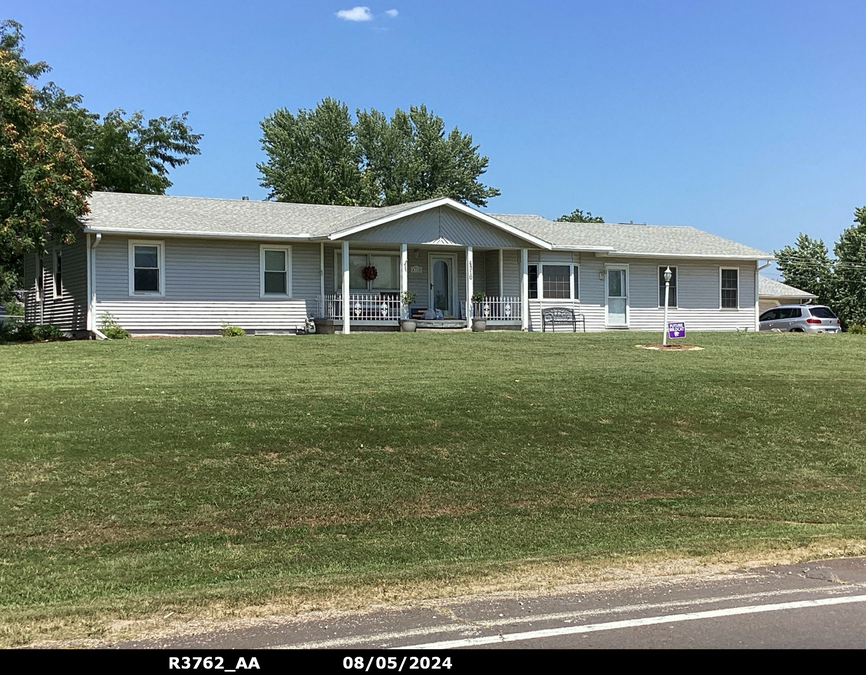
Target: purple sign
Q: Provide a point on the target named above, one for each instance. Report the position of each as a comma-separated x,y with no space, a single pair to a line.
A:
676,329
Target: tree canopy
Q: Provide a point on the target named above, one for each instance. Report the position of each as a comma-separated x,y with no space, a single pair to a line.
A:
125,153
807,266
321,156
850,271
840,281
578,216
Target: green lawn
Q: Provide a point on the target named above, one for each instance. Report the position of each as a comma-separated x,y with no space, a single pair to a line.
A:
149,476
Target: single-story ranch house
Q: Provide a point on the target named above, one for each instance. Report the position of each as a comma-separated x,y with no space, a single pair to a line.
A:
186,265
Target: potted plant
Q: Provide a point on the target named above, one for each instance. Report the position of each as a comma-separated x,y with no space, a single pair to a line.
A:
407,323
479,322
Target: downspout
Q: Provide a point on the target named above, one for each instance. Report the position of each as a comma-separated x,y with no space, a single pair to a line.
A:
758,292
91,286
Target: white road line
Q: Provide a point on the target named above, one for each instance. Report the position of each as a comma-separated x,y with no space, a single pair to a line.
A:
480,624
632,623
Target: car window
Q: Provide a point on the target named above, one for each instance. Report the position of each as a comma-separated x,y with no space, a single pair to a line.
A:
789,313
822,312
770,315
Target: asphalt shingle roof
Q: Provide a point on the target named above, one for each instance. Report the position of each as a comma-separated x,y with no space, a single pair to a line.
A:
231,217
111,211
776,289
629,238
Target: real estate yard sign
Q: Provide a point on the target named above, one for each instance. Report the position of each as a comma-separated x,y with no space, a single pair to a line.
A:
676,329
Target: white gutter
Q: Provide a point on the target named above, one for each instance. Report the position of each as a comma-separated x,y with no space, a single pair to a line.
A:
205,235
758,269
91,285
706,256
584,249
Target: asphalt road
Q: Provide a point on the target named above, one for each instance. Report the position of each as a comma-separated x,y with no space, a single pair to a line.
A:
810,605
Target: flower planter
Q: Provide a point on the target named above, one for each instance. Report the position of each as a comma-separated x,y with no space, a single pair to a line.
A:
479,325
408,325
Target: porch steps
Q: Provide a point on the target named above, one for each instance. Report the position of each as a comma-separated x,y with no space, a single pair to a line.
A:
441,324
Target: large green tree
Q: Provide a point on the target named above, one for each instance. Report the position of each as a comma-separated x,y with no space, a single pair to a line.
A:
313,157
578,216
807,266
125,153
850,271
320,156
44,182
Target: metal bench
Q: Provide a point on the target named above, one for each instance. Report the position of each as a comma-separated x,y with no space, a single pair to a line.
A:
561,316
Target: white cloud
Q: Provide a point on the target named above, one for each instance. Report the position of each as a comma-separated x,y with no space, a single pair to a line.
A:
355,14
391,12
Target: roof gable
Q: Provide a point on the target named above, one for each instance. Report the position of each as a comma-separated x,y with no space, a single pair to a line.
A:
429,205
440,226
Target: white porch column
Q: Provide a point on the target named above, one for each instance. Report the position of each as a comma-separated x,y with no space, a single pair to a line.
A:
321,304
404,279
346,299
469,288
524,289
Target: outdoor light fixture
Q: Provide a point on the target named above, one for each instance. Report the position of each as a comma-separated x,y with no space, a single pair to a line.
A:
601,275
668,276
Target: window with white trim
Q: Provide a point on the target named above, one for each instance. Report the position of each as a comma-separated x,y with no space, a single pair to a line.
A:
559,281
730,287
276,270
146,268
58,278
672,297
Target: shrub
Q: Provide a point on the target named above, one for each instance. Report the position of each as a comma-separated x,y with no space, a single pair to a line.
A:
857,329
26,332
48,332
228,330
109,327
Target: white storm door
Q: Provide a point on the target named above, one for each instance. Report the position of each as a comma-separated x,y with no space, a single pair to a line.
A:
443,287
617,297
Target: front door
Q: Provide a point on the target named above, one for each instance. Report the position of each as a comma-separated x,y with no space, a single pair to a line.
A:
617,297
443,290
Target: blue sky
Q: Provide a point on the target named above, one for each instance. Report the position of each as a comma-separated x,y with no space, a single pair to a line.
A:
744,119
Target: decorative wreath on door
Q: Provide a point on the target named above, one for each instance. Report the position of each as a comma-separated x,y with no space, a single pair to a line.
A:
369,273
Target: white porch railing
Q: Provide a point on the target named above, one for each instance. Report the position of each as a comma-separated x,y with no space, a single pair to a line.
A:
362,307
503,309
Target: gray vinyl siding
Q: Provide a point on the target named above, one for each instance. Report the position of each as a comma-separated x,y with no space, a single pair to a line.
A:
491,273
207,282
68,311
698,294
439,224
512,275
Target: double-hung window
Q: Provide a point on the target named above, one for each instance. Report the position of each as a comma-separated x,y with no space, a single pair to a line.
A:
672,296
730,287
146,268
276,270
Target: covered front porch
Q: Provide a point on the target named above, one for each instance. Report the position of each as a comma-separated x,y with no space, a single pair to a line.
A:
439,286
